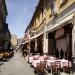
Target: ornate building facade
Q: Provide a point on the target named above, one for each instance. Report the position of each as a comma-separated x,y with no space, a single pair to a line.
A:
52,28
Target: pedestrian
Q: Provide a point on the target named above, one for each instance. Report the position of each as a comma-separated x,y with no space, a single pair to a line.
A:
24,54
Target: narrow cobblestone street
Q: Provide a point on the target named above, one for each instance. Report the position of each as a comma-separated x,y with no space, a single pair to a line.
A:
16,66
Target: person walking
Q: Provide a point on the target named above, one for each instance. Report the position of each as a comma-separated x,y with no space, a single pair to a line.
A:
24,54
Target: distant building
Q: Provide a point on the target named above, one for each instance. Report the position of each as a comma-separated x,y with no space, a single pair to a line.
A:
14,40
20,40
26,41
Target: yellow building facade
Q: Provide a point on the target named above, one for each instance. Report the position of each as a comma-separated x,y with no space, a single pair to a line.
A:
53,21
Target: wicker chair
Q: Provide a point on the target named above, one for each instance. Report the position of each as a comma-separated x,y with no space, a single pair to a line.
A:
41,68
56,66
68,69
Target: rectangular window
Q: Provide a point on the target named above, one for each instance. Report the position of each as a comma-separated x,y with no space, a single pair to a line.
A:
47,4
63,2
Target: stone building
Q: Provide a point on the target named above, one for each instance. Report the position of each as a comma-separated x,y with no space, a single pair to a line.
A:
14,40
52,28
5,35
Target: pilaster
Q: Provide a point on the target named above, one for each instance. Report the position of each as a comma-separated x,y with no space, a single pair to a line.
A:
73,44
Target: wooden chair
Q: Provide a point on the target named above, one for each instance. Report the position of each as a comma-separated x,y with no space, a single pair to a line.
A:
55,67
68,69
49,69
46,58
41,68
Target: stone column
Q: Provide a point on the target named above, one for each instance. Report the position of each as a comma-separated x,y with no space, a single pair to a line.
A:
73,37
45,41
73,43
35,44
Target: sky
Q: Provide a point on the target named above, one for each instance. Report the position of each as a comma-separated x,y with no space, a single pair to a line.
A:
19,16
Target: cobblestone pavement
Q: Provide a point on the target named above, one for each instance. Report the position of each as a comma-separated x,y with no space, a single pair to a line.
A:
18,66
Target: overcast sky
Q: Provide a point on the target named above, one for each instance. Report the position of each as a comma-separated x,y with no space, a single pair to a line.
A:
19,14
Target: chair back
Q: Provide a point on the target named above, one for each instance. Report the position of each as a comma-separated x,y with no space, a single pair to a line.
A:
58,64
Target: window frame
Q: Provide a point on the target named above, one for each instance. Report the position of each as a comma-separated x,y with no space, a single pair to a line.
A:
63,3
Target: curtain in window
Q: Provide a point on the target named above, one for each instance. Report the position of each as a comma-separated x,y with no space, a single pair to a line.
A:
63,44
67,39
58,45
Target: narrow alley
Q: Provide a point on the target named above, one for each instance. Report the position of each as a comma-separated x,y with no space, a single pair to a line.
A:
16,66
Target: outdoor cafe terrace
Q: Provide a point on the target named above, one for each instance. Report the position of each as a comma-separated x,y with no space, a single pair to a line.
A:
43,64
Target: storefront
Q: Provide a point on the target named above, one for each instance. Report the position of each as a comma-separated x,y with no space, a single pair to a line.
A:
60,42
32,46
36,44
40,44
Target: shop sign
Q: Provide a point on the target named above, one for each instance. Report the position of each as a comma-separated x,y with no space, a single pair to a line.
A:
59,33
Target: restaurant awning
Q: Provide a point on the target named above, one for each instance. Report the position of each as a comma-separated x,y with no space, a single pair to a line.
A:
60,22
36,36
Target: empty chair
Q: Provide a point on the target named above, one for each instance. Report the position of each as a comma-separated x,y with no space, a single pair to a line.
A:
68,67
55,67
41,68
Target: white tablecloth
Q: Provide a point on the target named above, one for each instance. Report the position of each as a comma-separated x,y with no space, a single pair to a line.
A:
49,62
30,59
63,62
34,63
